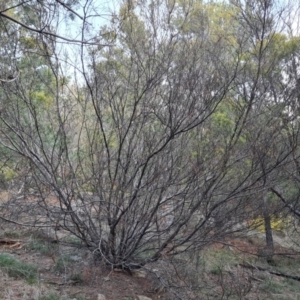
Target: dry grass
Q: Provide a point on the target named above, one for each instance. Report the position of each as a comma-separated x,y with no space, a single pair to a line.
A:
12,289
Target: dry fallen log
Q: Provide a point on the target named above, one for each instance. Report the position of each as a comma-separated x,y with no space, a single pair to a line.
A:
253,267
11,244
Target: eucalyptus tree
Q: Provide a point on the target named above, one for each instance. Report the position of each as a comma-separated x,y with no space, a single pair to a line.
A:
270,130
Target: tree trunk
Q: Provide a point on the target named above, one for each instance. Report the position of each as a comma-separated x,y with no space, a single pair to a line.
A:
269,250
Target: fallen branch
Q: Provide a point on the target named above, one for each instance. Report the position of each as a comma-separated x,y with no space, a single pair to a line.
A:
11,244
253,267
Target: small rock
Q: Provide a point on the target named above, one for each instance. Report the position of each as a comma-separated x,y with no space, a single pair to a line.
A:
143,297
106,278
118,270
75,258
139,274
102,297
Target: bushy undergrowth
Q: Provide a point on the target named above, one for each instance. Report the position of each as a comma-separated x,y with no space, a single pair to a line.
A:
42,247
18,269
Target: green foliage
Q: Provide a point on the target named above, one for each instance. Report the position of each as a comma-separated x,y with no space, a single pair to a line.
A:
132,27
73,240
41,98
216,270
18,269
8,173
62,263
79,297
28,42
216,261
291,285
281,46
77,277
271,286
11,234
224,116
43,247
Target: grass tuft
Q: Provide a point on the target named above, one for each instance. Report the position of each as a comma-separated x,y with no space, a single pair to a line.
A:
61,264
11,234
18,269
44,248
51,297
